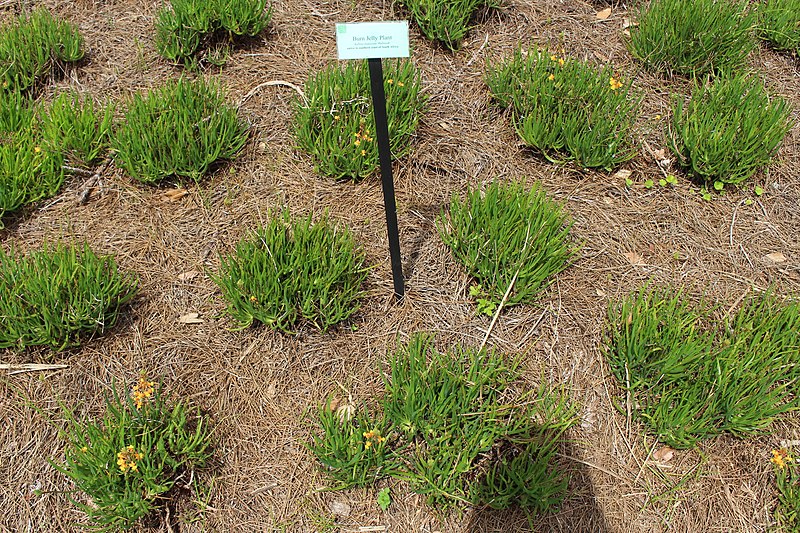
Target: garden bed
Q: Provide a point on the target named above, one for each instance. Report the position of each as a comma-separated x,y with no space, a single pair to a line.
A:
262,389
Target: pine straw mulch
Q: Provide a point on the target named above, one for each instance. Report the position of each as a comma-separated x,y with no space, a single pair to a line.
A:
259,386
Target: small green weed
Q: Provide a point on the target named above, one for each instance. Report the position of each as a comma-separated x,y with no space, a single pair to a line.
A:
728,130
384,498
694,37
292,270
507,236
450,427
187,26
485,306
129,463
787,474
566,108
689,380
31,45
73,126
180,129
59,295
779,23
336,125
445,21
29,170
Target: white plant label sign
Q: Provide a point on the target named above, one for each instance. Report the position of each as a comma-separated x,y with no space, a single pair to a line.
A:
372,40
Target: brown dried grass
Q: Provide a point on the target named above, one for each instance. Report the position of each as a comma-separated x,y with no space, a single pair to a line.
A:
258,385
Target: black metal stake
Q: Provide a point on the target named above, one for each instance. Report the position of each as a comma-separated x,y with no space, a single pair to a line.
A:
385,156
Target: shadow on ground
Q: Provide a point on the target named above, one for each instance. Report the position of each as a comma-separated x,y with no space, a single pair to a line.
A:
579,513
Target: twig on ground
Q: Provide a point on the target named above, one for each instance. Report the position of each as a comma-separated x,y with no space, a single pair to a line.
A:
590,465
499,308
30,367
272,83
478,51
93,182
733,221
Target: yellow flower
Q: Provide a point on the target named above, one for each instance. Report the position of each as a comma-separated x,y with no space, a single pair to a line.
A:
142,391
615,83
335,117
357,143
560,61
37,149
84,449
390,81
551,77
780,458
553,58
368,445
126,459
5,84
253,299
401,84
363,152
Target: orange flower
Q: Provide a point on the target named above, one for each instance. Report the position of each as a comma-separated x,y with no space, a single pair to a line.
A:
126,459
780,458
142,391
614,83
372,436
551,77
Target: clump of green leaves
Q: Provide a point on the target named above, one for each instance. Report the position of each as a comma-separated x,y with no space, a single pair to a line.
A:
694,37
352,446
507,236
187,27
34,142
129,463
465,433
690,378
450,427
75,127
293,269
59,295
779,23
728,130
31,45
335,123
29,171
180,130
446,21
566,108
787,474
17,112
